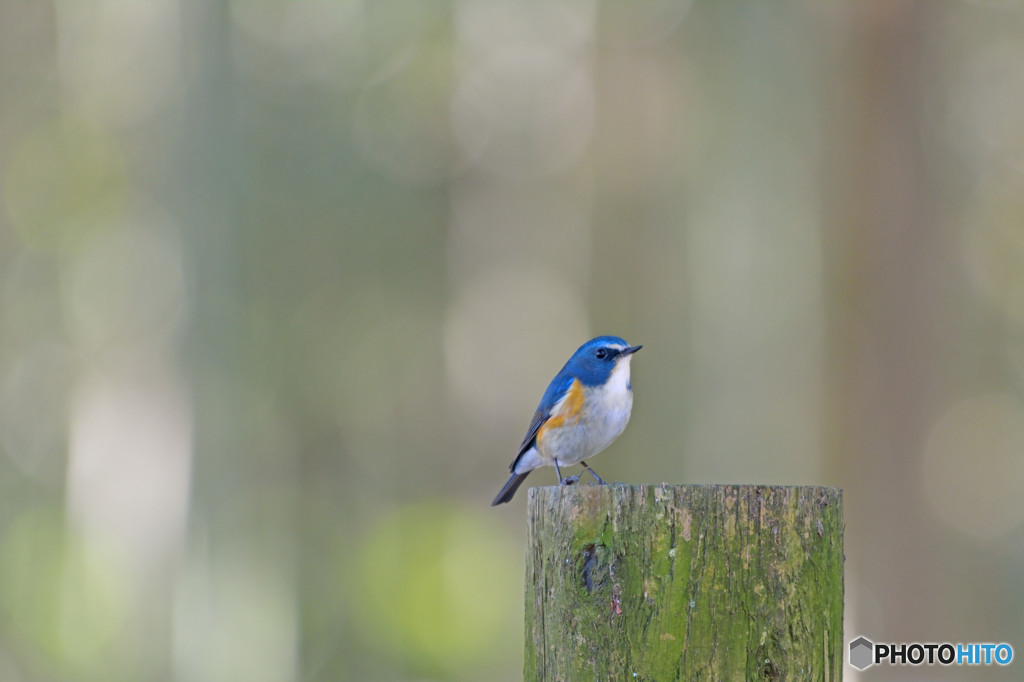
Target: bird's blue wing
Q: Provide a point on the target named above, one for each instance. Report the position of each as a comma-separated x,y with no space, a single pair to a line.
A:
557,389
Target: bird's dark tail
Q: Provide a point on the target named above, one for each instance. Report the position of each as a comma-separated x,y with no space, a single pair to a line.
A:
510,488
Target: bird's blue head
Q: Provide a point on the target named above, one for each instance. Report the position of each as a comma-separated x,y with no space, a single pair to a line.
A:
593,362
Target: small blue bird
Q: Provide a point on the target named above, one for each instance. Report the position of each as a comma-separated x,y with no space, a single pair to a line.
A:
586,407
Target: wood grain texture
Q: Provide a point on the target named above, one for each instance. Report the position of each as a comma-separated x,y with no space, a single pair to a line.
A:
699,582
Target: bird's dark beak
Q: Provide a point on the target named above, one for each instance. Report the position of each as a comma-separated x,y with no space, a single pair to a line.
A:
630,350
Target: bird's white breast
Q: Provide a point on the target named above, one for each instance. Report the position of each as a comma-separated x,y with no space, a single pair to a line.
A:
610,407
604,416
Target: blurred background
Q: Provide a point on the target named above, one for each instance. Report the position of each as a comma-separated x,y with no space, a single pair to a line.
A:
282,283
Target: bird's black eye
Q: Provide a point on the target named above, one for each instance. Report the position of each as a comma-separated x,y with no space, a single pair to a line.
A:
601,353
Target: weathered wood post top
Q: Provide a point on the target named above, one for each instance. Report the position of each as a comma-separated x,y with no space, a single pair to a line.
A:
684,582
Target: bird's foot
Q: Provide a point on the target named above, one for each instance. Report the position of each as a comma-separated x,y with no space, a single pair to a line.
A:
569,480
600,481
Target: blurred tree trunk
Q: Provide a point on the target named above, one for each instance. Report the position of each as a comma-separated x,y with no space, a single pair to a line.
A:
881,253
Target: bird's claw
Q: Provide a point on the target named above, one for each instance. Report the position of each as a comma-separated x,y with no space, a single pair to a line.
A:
570,480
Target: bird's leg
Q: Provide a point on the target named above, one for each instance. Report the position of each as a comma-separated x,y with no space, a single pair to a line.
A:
593,473
565,481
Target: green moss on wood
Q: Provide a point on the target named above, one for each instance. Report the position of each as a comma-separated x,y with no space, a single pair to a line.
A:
684,583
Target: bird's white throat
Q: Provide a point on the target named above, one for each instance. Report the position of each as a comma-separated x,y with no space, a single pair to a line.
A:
618,381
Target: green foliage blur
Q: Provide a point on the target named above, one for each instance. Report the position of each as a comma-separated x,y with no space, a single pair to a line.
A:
282,282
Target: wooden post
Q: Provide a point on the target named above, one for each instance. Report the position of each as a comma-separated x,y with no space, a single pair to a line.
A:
695,582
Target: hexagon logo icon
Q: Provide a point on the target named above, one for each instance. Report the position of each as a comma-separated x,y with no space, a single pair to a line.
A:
861,653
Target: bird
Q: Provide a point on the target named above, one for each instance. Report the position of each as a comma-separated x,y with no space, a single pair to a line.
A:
584,409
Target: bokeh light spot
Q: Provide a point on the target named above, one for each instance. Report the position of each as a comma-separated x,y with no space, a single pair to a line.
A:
63,179
435,586
63,595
